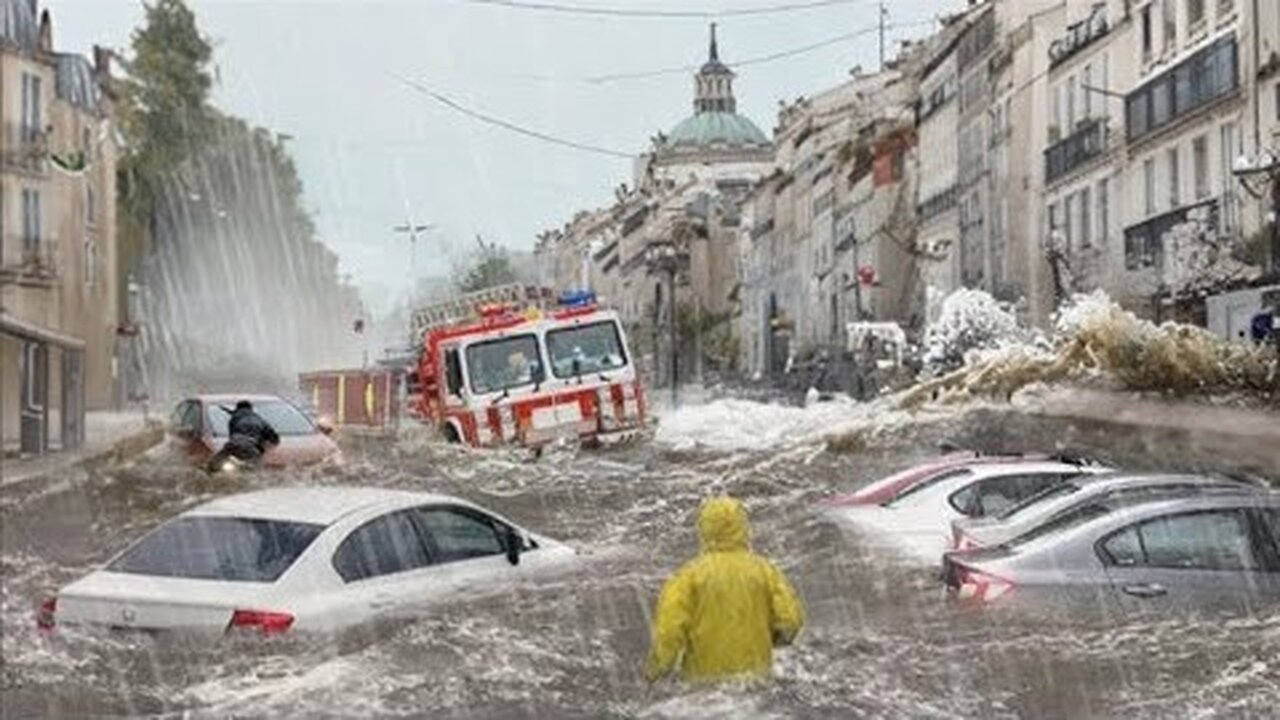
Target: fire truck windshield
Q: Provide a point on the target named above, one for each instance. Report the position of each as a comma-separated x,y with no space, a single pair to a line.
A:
505,363
582,349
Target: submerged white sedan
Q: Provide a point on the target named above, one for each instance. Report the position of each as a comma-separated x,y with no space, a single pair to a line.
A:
313,558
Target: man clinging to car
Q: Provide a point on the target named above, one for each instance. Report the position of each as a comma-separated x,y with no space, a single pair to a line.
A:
721,614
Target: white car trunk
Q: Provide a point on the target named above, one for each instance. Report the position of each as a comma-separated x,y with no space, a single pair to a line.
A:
126,600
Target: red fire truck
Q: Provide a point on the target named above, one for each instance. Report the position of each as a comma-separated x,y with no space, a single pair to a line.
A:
513,365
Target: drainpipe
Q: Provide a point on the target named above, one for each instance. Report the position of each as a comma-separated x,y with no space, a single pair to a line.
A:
1257,95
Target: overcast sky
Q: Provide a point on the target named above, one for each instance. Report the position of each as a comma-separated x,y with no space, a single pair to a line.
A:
325,72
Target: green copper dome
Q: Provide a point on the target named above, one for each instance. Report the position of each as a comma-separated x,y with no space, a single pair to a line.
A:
712,128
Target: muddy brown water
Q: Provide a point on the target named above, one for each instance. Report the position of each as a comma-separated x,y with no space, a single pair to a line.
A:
881,640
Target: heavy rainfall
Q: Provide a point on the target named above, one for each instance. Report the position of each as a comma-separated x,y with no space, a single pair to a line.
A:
955,393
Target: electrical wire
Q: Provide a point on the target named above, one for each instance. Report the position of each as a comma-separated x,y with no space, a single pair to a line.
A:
760,59
573,9
508,125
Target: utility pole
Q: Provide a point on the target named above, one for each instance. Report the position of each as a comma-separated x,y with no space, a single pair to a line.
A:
884,13
412,230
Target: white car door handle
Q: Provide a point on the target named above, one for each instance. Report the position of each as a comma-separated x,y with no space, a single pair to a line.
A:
1146,590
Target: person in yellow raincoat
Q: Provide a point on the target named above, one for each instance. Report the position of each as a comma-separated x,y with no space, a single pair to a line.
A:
722,613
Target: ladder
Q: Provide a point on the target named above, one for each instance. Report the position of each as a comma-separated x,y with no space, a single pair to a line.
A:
464,307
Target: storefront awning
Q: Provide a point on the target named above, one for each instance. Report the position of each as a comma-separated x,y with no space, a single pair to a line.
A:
10,325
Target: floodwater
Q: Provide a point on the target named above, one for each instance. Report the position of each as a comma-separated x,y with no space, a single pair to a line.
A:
882,641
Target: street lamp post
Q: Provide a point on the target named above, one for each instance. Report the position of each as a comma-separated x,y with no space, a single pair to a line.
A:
665,257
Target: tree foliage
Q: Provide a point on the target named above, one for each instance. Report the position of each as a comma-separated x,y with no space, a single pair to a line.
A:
489,266
164,110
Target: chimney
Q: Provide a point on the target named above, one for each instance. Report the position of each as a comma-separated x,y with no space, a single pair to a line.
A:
102,62
46,30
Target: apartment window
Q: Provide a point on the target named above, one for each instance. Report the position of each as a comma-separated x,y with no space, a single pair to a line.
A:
1171,162
90,205
1085,220
1229,148
1149,185
90,263
1086,82
1170,34
1053,217
30,220
1195,14
1068,230
1146,34
1071,105
1277,101
1200,165
1104,211
1055,130
31,116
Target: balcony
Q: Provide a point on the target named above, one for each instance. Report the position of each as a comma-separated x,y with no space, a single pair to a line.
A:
1087,142
1201,80
21,264
937,204
1144,242
24,148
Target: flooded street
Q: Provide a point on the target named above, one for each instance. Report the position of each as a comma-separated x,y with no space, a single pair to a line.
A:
881,640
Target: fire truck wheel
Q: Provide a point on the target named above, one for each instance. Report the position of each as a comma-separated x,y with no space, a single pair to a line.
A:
451,435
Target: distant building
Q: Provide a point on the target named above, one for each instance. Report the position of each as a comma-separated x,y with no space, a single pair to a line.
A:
58,297
665,253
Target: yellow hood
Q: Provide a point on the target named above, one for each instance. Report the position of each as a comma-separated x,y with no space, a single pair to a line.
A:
722,525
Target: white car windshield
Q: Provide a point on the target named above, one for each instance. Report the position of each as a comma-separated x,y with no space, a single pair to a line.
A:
219,548
593,348
283,417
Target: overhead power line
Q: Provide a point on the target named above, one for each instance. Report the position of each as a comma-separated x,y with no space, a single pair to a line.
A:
760,59
508,125
575,9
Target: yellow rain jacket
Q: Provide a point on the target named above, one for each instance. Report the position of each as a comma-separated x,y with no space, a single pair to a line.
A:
725,609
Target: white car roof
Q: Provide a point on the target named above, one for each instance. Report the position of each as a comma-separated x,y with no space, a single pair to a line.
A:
320,505
1019,468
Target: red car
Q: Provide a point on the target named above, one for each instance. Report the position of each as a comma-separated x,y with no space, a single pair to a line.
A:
199,427
884,490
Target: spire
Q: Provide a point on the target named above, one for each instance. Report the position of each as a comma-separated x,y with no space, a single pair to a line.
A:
713,85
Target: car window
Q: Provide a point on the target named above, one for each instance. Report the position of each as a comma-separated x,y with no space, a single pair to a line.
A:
458,534
926,484
1065,521
383,546
284,418
186,417
1203,541
997,495
591,348
219,548
1050,493
452,372
1125,548
1272,519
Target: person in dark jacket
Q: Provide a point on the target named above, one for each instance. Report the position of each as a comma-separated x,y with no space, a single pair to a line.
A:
248,437
244,421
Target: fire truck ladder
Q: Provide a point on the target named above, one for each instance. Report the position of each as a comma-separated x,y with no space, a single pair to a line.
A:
464,307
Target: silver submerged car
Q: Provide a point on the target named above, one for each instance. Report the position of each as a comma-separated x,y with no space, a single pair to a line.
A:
1200,552
1059,500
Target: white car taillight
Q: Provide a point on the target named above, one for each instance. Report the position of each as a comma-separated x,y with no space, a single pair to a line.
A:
46,614
981,587
269,623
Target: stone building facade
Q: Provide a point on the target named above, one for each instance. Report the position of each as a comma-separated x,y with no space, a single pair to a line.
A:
58,298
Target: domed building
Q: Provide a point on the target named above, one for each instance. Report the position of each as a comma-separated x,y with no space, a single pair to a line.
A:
715,142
